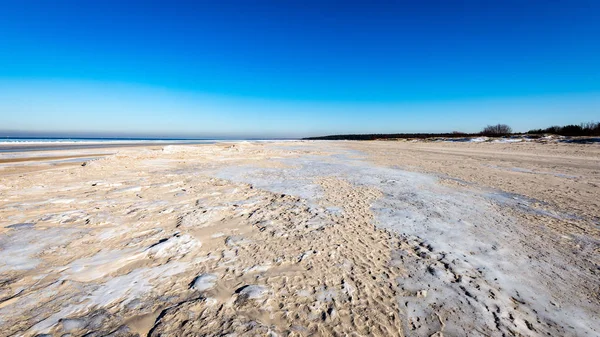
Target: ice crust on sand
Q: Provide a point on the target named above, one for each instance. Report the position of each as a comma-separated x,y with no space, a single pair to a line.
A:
252,292
121,290
472,263
20,252
204,282
99,265
176,246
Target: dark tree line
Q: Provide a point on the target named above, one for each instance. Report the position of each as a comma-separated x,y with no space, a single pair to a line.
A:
583,129
490,130
498,130
376,136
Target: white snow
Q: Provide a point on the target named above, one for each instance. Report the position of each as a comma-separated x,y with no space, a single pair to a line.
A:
204,282
177,246
467,239
254,292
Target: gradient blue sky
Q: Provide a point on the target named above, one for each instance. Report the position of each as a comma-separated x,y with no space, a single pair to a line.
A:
296,68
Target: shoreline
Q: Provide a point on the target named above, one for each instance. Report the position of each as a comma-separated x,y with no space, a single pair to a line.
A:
6,147
22,147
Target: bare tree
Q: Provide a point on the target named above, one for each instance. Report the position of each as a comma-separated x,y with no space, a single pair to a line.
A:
498,129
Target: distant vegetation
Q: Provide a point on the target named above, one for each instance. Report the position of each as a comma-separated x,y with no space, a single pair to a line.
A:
375,136
490,130
498,130
584,129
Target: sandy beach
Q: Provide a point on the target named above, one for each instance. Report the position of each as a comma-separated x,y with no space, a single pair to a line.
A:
303,238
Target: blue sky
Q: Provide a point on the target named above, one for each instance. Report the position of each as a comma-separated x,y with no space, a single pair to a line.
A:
296,68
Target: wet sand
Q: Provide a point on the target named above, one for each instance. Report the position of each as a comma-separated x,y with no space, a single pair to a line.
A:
302,239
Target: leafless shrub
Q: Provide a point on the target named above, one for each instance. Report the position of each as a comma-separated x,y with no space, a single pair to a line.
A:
498,129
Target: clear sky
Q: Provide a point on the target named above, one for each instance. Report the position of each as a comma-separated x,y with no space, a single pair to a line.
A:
296,68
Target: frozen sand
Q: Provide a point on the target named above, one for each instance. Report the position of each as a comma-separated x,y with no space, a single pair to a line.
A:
305,238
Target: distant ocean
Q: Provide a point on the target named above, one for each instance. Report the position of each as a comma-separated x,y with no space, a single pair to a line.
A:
26,144
19,144
34,140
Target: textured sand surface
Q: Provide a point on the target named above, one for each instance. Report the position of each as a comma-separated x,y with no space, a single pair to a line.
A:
301,239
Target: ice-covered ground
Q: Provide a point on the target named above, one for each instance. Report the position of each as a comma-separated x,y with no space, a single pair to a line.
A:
467,265
307,237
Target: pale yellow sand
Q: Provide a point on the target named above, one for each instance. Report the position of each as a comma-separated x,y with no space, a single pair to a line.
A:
278,239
